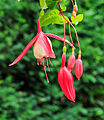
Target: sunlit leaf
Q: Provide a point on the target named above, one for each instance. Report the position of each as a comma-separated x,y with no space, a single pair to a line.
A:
77,19
51,17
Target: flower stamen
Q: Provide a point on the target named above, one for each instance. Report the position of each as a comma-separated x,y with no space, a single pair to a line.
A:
50,62
46,74
43,61
48,65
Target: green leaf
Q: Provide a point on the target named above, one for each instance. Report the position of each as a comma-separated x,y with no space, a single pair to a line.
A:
43,4
51,17
77,19
51,3
63,8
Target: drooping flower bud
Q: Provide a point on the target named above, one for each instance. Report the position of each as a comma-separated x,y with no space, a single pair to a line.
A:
75,8
66,81
78,67
74,14
71,61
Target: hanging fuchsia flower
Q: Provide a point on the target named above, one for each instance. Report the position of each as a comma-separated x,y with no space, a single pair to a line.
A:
71,61
78,67
75,8
66,81
42,48
74,14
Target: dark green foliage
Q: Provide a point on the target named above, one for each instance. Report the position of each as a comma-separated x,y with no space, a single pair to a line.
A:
24,92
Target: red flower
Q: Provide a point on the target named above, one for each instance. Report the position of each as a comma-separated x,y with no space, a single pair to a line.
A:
71,61
42,48
74,14
66,82
75,8
78,67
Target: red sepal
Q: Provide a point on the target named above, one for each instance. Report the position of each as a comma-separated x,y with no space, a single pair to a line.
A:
78,68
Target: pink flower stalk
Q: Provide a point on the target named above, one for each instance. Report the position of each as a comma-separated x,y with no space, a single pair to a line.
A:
78,67
66,81
71,61
42,48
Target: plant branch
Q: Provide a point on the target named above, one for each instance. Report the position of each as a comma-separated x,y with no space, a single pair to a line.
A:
71,25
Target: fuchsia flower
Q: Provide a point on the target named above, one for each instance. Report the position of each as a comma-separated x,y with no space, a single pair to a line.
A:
43,52
78,67
66,81
71,61
74,14
42,48
75,8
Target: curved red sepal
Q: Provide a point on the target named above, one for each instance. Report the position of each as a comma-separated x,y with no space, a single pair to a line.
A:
59,38
78,68
24,51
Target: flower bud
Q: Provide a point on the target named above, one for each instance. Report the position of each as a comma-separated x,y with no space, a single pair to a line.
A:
78,68
71,62
74,14
66,81
75,8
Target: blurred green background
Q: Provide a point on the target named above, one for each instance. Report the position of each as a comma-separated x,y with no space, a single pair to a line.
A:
24,92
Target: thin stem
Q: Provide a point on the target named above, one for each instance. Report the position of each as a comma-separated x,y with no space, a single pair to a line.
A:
71,25
64,33
76,37
64,30
72,2
70,35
